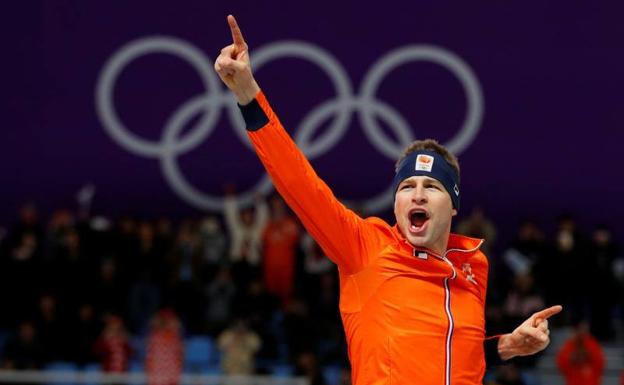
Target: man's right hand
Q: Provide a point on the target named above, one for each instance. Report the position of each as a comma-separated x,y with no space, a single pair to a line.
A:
234,68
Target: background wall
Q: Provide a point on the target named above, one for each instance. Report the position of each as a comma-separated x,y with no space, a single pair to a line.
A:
550,74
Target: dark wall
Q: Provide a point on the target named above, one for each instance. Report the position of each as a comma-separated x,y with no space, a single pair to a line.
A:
550,75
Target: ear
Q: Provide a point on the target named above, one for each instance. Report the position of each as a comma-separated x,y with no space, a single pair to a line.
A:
454,212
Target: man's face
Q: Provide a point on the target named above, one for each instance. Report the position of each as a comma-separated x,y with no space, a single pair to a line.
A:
423,210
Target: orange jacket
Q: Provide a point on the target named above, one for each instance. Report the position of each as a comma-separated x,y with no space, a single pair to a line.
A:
410,316
581,361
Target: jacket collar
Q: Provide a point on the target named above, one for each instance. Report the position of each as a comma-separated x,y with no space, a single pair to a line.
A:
456,242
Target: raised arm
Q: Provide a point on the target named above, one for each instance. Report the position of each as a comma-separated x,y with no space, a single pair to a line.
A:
232,215
262,217
345,237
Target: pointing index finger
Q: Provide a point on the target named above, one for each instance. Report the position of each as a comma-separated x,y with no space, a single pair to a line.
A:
237,35
547,313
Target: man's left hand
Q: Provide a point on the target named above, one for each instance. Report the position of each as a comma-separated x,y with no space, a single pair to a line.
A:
530,337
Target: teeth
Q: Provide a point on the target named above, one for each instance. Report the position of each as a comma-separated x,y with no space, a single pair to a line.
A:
416,228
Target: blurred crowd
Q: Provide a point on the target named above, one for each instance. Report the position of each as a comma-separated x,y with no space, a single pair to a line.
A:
582,272
77,287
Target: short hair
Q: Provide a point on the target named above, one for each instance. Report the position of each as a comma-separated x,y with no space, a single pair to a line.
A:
430,145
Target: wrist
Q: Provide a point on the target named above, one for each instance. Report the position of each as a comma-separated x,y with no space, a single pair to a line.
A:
248,94
505,348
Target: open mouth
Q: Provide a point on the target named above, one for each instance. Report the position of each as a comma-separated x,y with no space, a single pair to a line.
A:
418,219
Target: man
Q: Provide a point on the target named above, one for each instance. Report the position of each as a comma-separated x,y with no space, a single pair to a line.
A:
279,243
411,295
581,359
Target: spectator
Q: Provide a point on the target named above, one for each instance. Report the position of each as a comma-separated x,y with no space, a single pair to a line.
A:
163,238
186,267
300,328
519,259
315,265
260,309
71,268
238,345
477,225
307,366
525,250
20,261
85,327
220,297
603,253
566,258
280,239
315,261
146,271
126,242
507,375
56,258
328,323
52,329
112,347
213,243
245,231
108,293
27,223
22,268
581,359
23,351
163,362
521,302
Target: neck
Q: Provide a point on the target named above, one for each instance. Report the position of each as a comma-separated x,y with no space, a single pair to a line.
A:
438,248
441,245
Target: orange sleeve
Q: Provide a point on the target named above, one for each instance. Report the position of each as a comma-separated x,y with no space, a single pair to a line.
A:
347,239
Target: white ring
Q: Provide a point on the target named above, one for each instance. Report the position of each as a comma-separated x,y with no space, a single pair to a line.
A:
341,107
443,57
133,50
173,174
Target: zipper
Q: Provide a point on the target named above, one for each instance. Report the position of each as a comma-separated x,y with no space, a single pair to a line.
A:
449,314
447,308
451,323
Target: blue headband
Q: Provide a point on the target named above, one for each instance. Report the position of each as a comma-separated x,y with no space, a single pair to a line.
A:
432,164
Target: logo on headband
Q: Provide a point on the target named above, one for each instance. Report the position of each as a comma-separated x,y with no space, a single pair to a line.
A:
424,163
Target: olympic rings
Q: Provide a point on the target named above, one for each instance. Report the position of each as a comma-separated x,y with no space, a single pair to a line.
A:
340,109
